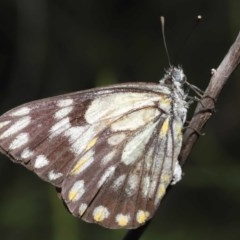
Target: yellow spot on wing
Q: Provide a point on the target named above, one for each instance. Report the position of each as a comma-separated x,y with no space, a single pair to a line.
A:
72,195
79,164
161,191
164,128
99,216
122,220
142,216
165,178
91,143
166,101
179,131
100,213
76,191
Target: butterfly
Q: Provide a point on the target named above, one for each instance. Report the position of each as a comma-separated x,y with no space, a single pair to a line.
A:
111,152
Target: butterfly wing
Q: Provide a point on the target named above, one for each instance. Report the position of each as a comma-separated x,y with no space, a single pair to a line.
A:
112,151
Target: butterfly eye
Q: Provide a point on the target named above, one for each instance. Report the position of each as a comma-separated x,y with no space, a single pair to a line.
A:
178,75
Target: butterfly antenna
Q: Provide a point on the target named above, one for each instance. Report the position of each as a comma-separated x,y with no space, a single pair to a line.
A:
162,20
198,19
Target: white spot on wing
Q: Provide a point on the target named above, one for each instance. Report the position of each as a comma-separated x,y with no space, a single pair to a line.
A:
135,148
162,167
167,165
142,216
76,191
41,161
132,184
84,162
4,123
21,112
16,127
63,112
115,139
122,219
135,120
64,102
26,153
82,208
80,137
149,157
100,213
145,185
112,106
19,141
76,138
152,188
156,161
54,175
108,173
60,127
107,158
74,133
118,182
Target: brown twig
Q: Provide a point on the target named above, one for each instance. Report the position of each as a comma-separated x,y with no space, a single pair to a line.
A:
202,112
206,107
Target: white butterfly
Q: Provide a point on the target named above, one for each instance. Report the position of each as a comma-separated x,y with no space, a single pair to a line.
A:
110,151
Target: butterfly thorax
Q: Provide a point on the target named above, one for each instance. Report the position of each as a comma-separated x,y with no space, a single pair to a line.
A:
174,80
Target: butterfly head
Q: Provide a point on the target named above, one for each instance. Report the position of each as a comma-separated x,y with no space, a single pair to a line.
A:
174,76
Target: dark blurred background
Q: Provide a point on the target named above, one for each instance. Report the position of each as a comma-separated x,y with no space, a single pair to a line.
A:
53,47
